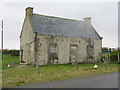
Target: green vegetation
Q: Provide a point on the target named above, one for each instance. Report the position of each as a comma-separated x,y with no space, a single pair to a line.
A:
113,55
8,59
12,52
17,76
115,52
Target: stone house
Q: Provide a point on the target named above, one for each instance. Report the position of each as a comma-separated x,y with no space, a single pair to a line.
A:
54,40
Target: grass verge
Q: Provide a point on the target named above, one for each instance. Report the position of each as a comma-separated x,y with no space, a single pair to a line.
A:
17,76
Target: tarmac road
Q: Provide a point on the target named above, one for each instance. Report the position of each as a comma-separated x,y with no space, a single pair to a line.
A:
99,81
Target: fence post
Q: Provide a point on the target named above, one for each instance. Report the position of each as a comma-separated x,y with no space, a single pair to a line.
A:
38,68
118,58
76,62
109,58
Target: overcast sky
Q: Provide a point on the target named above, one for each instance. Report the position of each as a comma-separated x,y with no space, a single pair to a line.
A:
104,18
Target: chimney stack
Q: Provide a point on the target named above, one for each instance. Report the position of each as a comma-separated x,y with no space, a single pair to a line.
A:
87,19
29,12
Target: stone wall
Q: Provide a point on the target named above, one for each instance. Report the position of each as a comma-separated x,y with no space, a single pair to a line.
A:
27,44
27,38
63,44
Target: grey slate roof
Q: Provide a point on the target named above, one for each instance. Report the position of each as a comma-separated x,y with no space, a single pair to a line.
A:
48,25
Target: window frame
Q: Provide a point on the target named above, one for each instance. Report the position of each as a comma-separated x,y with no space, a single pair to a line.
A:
90,51
53,48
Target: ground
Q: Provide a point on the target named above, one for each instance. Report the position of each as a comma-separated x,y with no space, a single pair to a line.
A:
17,75
99,81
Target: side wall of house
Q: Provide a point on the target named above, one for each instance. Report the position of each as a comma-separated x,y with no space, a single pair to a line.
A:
63,44
97,49
27,42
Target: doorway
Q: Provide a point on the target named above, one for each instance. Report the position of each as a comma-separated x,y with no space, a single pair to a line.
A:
73,53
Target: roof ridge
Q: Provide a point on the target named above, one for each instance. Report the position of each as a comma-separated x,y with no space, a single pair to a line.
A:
58,17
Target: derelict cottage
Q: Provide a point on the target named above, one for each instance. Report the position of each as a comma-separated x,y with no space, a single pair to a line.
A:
56,40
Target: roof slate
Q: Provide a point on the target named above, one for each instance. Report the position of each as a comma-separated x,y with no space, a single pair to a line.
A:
48,25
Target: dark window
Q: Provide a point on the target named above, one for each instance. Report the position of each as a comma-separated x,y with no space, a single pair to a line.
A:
53,54
53,48
90,50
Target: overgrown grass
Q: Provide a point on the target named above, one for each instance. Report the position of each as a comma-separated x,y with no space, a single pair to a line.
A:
8,59
17,76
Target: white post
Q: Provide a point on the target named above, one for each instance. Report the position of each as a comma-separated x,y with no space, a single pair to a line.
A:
2,41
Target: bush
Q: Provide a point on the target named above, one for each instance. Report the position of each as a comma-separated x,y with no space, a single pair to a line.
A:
11,52
114,55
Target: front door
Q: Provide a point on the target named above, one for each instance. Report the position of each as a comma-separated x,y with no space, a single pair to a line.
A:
73,53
